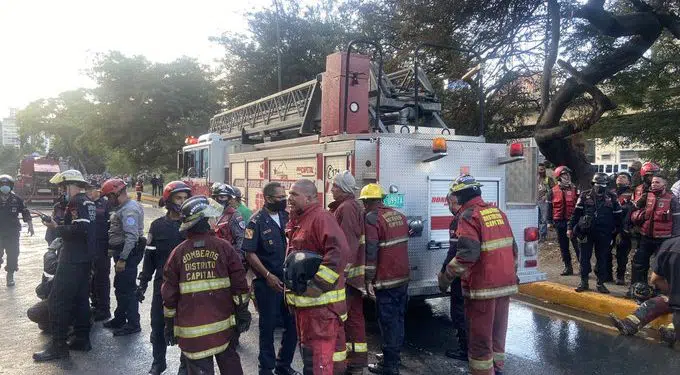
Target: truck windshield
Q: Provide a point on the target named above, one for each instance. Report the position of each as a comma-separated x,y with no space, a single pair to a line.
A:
196,163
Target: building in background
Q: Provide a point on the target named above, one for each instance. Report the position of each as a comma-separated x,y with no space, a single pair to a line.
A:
9,133
613,157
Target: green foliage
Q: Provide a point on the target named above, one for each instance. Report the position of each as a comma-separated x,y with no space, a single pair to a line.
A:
9,160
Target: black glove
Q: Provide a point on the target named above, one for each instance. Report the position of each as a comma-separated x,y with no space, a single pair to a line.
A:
169,332
141,289
243,318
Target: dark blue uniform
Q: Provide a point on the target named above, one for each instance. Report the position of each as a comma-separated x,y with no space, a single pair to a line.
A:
265,238
58,212
605,212
457,300
164,236
10,228
101,265
667,265
69,297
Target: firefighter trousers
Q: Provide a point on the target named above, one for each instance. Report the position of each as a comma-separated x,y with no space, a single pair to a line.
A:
9,243
355,330
40,313
487,327
646,249
125,284
650,310
322,341
597,242
68,301
391,306
100,289
623,243
158,324
228,362
457,309
564,241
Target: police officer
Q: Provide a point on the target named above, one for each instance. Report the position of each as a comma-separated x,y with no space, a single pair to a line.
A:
350,215
11,206
457,301
622,239
164,236
127,242
265,248
487,262
387,273
561,203
240,206
657,213
666,277
68,300
230,226
100,290
596,218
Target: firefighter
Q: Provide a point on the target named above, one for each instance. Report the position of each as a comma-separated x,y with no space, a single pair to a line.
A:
164,236
596,218
240,206
320,308
127,243
205,294
350,215
622,239
561,203
487,262
647,171
39,313
457,301
666,276
634,170
230,226
100,289
649,310
139,189
58,210
265,248
11,206
68,301
657,213
387,273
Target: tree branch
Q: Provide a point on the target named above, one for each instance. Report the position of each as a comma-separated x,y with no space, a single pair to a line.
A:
552,49
640,23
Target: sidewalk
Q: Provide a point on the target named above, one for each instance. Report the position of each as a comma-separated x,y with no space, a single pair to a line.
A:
150,199
560,289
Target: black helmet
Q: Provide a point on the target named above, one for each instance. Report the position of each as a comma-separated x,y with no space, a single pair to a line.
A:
237,192
600,178
627,174
222,190
299,268
196,208
6,179
641,292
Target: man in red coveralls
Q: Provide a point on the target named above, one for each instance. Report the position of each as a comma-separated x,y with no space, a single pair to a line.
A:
486,262
205,294
350,215
320,311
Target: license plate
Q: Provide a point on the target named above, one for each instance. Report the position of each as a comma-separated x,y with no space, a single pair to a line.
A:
394,200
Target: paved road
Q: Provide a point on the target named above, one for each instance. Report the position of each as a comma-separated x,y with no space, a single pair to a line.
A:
539,341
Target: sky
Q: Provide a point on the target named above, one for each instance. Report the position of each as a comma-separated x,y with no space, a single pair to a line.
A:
45,45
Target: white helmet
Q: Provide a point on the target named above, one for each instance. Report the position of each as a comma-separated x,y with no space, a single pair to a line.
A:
69,176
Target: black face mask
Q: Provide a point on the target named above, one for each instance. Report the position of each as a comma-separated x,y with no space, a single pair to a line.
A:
276,206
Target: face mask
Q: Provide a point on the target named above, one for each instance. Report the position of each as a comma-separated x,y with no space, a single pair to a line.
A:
173,207
5,189
277,206
598,189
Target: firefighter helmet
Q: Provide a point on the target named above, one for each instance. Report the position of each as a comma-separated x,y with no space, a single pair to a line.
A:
372,191
299,268
562,169
237,192
649,168
464,182
114,185
70,176
175,187
641,292
7,180
627,174
600,179
196,208
222,190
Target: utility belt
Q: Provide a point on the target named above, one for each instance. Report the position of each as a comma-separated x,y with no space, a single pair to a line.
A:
115,250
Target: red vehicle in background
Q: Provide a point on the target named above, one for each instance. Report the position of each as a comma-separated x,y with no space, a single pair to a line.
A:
33,181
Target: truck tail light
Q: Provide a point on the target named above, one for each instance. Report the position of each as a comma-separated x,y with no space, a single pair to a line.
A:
530,234
530,263
516,149
530,243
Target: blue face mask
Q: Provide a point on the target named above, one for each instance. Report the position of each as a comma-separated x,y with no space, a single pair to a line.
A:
5,189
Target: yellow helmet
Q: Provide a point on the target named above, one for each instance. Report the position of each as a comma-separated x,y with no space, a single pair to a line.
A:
69,176
372,191
464,182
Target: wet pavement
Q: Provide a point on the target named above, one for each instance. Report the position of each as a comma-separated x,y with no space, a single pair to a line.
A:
539,341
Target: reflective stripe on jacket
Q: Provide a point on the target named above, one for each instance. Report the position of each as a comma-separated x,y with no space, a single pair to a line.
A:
387,237
350,216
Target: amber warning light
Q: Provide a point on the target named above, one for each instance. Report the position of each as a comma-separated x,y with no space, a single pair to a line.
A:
439,145
190,140
516,149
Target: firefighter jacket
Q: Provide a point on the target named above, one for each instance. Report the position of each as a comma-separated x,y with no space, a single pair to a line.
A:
350,215
660,217
10,209
102,208
230,227
316,230
386,248
625,198
79,231
139,187
164,236
203,283
487,252
561,202
604,212
58,213
639,191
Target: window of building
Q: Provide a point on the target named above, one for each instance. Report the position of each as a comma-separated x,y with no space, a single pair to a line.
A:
606,157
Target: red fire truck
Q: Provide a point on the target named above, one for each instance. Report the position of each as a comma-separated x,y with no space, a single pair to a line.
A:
33,183
343,120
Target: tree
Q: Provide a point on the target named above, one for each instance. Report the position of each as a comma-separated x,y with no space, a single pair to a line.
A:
9,160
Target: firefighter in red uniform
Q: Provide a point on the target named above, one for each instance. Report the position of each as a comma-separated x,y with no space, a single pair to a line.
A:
647,171
486,262
561,202
205,294
230,226
320,309
350,215
658,216
139,189
387,273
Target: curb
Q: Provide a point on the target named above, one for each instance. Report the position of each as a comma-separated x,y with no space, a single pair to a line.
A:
150,199
595,303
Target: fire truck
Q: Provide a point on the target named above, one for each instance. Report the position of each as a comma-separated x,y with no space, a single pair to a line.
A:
353,117
33,183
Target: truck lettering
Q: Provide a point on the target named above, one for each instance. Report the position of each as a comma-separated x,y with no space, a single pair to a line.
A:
306,171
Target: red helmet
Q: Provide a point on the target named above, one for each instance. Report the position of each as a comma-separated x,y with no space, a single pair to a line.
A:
113,185
561,170
649,168
175,187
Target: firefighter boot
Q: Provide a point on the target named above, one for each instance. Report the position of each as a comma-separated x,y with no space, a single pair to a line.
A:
10,278
625,326
602,289
158,368
81,344
667,335
460,353
53,351
378,368
583,286
568,270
